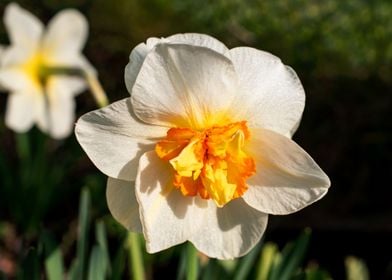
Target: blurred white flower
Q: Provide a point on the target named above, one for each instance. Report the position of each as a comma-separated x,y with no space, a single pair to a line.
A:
206,136
36,97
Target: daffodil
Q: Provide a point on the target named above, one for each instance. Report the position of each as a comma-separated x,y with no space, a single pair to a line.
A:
202,149
26,65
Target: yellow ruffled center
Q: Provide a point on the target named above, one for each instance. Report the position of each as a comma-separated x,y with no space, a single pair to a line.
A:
210,163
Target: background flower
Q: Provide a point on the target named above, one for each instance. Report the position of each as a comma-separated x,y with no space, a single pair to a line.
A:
36,95
192,81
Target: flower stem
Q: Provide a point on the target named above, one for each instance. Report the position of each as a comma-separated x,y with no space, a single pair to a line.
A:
91,78
23,147
96,89
192,265
135,257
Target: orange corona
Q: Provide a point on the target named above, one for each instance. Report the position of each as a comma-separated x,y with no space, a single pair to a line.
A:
211,163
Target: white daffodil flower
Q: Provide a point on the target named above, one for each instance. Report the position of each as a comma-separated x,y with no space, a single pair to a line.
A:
202,149
47,101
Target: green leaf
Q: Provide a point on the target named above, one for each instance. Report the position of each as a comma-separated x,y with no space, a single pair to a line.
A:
317,274
268,255
285,264
23,146
54,264
295,256
100,235
246,263
214,270
275,268
30,266
312,272
356,269
119,264
83,227
228,265
98,265
182,263
192,262
73,271
135,256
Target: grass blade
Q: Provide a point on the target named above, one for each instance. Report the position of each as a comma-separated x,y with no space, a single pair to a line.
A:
268,255
192,263
286,263
246,263
356,269
30,266
296,255
119,264
100,235
135,257
83,226
54,264
98,265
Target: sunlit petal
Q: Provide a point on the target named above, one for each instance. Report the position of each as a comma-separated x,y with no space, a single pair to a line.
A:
184,85
287,178
114,139
271,94
140,52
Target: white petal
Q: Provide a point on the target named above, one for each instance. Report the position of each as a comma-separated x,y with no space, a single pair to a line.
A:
287,179
184,85
74,85
169,218
200,40
24,29
230,232
272,96
136,59
16,80
20,111
114,139
57,115
65,38
14,56
140,52
122,203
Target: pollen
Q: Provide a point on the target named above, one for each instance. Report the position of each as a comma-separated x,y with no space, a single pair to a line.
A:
211,163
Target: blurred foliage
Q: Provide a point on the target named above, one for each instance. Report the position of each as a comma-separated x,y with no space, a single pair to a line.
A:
356,269
46,259
324,38
342,51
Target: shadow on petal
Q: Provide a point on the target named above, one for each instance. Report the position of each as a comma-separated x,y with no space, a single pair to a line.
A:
159,174
142,148
238,214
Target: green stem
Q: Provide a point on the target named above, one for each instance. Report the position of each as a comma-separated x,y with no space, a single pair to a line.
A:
135,257
192,265
23,147
96,89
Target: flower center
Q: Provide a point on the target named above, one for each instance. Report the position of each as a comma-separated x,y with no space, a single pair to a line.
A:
32,68
211,163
